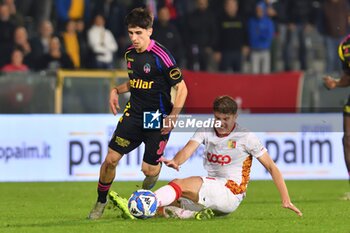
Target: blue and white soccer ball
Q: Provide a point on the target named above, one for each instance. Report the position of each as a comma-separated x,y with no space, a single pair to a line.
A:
143,204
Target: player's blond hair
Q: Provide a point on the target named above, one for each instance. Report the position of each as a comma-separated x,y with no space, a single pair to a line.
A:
225,104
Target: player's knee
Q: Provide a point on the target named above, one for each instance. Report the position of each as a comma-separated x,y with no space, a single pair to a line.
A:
179,182
147,173
150,172
111,162
112,159
184,186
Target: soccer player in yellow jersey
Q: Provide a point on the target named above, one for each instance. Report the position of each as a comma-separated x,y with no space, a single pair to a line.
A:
344,81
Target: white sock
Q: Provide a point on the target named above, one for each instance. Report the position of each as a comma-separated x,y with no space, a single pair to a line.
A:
165,195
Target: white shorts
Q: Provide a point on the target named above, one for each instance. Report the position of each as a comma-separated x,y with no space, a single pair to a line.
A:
216,196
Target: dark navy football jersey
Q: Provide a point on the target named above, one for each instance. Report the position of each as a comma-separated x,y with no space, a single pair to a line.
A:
346,67
152,73
344,54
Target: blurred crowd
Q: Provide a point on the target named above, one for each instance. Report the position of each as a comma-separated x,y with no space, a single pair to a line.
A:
243,36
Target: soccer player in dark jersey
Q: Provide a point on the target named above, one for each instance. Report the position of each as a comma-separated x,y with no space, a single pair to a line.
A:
152,73
344,81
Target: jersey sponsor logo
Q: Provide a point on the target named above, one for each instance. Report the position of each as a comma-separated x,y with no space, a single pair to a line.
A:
220,159
141,84
175,73
147,68
25,151
122,141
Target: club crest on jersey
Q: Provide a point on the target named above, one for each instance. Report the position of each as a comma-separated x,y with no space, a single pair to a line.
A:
231,144
147,68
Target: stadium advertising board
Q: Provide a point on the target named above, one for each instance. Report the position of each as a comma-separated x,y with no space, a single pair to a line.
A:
254,94
72,147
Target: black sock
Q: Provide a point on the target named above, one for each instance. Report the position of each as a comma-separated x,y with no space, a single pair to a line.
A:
102,191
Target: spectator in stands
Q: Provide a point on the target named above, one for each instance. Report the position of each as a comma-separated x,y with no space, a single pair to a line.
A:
261,32
71,42
80,27
167,34
102,43
7,28
56,58
200,36
170,5
15,16
114,13
232,43
21,41
183,10
300,19
335,26
272,12
34,12
246,8
85,60
40,43
12,6
16,64
71,9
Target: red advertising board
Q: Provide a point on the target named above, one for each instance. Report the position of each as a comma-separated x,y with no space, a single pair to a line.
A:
263,93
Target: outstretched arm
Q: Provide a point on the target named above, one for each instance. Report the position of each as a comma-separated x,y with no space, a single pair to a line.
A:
270,165
181,156
114,96
179,101
332,83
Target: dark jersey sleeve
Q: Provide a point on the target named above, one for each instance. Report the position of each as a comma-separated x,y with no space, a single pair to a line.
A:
173,75
346,67
170,69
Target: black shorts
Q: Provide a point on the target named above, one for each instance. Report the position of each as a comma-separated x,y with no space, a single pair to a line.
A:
129,134
346,109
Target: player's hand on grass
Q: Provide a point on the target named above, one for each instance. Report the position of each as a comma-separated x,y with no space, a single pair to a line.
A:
169,163
168,124
289,205
329,82
114,101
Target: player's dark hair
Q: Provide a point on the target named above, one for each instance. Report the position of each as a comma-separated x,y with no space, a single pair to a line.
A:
225,104
139,17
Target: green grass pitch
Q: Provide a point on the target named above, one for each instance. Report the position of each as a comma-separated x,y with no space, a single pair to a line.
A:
64,206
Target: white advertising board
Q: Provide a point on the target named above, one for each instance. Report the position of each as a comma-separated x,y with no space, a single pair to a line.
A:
72,147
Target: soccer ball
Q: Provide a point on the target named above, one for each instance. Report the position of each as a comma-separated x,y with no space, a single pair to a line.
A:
143,204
